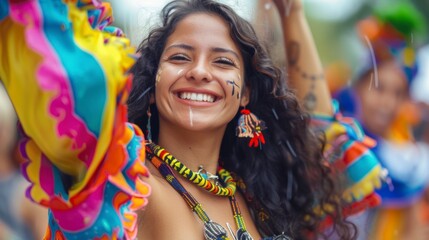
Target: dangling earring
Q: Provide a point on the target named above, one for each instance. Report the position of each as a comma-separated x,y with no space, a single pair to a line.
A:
251,126
148,126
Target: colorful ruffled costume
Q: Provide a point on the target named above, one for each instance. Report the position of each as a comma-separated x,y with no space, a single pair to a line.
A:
65,70
348,150
68,81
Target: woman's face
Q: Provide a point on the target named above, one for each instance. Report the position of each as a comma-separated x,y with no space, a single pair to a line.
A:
380,103
200,76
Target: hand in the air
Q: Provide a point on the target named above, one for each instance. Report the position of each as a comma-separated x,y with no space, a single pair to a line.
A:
287,6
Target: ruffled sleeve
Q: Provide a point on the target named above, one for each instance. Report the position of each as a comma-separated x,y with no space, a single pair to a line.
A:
65,70
348,151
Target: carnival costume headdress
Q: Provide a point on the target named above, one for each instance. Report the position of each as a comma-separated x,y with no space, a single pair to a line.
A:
392,32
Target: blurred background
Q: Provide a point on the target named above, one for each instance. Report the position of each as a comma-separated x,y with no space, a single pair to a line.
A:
343,54
333,23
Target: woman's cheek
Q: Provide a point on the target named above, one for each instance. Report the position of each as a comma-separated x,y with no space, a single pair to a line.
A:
235,88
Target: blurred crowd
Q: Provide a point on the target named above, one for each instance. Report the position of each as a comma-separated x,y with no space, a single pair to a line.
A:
380,97
387,91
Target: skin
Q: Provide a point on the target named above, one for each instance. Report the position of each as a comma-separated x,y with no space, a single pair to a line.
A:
199,57
303,59
381,103
415,227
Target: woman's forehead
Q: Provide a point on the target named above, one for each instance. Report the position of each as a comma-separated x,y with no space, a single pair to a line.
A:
202,25
203,31
141,17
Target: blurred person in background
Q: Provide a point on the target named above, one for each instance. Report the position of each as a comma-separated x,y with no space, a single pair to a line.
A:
379,98
20,219
420,93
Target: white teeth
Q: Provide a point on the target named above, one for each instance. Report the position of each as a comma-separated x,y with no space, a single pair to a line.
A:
199,97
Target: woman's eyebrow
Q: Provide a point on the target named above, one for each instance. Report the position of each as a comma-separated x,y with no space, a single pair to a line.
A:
182,46
224,50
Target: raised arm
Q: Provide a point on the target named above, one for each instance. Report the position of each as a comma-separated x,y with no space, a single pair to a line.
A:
305,72
65,71
347,148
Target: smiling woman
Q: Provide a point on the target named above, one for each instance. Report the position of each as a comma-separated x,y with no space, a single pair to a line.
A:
227,141
194,48
205,49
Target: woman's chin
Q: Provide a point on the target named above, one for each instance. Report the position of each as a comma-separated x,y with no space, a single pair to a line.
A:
199,126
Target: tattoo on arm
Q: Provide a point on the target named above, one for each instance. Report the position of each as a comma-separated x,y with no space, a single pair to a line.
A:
293,54
310,101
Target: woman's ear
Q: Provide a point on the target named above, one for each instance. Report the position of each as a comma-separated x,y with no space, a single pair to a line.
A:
245,97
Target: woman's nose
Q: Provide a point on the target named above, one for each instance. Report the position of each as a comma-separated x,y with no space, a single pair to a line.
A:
200,71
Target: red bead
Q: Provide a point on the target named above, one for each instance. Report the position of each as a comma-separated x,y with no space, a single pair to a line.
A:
245,112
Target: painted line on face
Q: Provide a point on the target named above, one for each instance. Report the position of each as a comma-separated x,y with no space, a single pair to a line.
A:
179,72
158,76
191,117
234,85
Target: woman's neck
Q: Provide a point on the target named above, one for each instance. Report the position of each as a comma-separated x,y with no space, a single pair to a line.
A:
192,148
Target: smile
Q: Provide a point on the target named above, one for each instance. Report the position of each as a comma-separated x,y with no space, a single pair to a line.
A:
197,97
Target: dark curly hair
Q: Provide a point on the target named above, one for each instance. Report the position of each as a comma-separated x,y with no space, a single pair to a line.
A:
287,178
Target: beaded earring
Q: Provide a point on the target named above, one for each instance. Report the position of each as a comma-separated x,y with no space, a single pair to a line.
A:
251,126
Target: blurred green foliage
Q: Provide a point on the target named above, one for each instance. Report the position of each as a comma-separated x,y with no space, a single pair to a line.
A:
338,41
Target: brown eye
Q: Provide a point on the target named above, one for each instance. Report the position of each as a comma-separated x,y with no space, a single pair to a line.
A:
179,57
225,61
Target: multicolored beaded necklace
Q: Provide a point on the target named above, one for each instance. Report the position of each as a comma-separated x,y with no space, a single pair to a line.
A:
196,177
212,230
